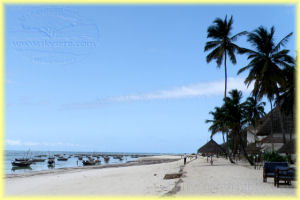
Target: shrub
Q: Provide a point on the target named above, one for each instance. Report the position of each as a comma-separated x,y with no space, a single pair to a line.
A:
274,157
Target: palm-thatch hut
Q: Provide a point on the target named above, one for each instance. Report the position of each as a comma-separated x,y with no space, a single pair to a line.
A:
266,123
288,148
211,147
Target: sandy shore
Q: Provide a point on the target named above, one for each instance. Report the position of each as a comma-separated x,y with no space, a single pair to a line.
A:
224,178
146,178
142,178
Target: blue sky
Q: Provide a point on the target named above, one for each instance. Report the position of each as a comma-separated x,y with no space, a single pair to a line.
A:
120,78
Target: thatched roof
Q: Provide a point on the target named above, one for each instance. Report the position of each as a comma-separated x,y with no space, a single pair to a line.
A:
252,148
288,147
264,124
269,140
210,147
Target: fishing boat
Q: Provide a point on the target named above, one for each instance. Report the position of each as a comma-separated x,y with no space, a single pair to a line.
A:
21,163
90,161
106,158
22,159
51,161
37,160
62,159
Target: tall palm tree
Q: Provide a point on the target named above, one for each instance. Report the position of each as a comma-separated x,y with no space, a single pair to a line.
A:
287,96
222,44
265,67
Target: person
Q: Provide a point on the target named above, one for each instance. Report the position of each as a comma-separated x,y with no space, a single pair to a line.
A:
184,159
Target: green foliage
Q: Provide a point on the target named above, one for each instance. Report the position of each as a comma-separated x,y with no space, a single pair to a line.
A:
274,157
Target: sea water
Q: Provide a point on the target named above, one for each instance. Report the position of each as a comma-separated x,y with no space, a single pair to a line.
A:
11,155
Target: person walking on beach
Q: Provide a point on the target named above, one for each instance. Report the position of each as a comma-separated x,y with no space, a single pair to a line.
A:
184,159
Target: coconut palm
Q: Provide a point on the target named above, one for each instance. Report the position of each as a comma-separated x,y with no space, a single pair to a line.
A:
236,120
254,110
219,125
231,118
222,44
287,96
265,66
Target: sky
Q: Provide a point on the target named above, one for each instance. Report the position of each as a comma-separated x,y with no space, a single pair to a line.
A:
123,78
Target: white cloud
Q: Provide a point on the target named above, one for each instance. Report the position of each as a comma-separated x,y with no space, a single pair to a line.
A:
13,142
189,91
9,142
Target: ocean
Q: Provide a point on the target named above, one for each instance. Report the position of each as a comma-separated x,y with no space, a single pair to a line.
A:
73,161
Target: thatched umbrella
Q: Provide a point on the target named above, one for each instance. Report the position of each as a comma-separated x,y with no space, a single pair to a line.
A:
288,147
211,147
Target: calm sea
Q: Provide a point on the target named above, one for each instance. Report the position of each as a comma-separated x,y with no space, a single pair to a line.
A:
72,161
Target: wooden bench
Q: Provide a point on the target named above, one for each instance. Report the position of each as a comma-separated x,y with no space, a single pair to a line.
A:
286,174
269,169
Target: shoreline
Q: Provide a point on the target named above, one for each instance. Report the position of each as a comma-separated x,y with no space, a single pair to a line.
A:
151,160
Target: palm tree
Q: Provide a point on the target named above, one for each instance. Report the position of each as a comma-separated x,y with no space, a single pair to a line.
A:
236,121
265,66
222,44
253,111
287,97
219,125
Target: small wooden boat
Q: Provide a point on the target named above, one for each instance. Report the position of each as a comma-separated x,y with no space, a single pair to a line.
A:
21,159
90,161
51,161
37,160
62,159
21,163
106,158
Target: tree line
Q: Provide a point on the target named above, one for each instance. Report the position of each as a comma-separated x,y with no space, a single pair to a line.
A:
271,70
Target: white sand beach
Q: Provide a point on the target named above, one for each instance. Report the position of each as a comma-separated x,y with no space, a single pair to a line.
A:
199,178
224,178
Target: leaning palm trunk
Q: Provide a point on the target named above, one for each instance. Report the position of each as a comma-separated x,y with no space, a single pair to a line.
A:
225,67
245,152
271,134
227,149
281,121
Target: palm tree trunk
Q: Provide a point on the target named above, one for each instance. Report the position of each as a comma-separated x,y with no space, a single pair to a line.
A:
227,149
245,152
271,135
281,121
225,75
223,138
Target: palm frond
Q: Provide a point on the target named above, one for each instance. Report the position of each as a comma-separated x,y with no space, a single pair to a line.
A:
282,42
